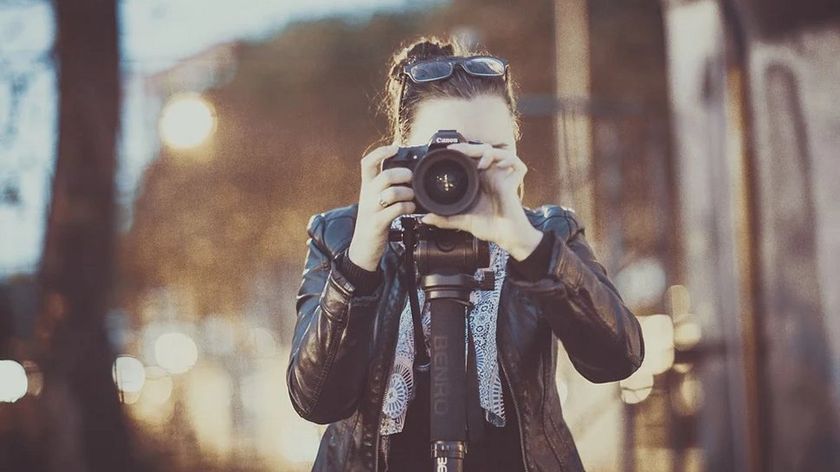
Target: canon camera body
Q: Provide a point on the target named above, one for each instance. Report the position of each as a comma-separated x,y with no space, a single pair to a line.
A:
445,181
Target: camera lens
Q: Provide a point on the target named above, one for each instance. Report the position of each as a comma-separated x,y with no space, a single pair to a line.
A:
446,182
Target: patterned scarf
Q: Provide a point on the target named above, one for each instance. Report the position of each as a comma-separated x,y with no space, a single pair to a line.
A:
482,325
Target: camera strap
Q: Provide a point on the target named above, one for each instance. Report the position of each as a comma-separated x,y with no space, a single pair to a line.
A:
421,357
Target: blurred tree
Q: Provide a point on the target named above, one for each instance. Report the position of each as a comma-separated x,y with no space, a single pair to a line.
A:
83,421
294,121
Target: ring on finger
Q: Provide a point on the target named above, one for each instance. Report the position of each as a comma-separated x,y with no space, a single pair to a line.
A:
382,202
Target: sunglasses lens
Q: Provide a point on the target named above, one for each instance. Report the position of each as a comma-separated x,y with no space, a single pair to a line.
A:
485,66
430,71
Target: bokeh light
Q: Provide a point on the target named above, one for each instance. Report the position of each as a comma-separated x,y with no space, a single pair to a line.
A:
262,342
154,405
300,441
219,335
176,352
642,282
637,387
687,398
682,367
679,299
687,333
658,332
13,382
187,121
34,377
209,402
129,398
129,374
158,387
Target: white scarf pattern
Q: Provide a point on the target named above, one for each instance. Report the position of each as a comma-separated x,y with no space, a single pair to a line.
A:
482,325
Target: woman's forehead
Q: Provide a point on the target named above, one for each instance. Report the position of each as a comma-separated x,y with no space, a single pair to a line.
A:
485,118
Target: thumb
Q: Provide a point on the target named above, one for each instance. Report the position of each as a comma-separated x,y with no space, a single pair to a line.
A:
436,220
459,221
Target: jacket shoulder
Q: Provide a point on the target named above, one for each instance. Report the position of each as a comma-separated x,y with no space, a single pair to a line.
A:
333,229
551,217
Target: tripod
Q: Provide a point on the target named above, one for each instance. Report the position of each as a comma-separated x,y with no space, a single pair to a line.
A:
446,261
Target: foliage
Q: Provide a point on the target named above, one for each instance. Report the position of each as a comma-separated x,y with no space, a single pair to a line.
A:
294,121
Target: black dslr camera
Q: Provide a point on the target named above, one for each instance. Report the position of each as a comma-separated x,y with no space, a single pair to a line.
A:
445,182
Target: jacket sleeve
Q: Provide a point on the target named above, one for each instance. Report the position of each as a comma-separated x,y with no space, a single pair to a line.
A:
582,306
332,337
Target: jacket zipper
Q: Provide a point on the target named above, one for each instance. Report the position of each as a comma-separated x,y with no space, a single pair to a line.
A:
516,412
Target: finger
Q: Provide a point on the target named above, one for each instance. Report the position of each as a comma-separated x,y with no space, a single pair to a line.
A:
472,150
371,162
396,210
397,193
502,160
389,177
505,164
497,157
488,158
445,222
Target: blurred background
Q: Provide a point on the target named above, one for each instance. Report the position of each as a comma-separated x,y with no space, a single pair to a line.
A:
159,160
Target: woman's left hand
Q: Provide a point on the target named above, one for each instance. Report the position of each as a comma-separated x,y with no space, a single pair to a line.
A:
498,215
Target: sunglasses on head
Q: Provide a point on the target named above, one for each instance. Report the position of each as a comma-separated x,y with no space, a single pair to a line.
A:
443,67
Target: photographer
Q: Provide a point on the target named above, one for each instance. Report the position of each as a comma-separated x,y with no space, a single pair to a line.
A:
353,356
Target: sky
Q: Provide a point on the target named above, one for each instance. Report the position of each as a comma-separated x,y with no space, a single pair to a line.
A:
154,35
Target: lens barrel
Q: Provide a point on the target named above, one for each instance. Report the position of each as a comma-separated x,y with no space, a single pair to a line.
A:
446,182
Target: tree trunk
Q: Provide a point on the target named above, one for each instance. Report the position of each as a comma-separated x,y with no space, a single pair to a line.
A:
85,429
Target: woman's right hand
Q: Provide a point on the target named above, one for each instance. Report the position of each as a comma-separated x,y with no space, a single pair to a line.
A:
373,220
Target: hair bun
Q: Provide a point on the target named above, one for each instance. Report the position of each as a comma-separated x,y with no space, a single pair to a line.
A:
429,49
422,49
402,96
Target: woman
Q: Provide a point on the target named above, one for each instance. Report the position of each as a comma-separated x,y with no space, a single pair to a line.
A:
353,358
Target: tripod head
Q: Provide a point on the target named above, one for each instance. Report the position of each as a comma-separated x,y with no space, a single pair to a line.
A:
445,252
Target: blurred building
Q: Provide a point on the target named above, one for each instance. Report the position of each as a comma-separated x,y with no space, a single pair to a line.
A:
699,138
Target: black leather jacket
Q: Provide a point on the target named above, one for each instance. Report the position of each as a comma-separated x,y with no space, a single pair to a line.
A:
343,345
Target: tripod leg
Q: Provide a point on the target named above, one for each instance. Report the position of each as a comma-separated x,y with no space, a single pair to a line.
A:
448,385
